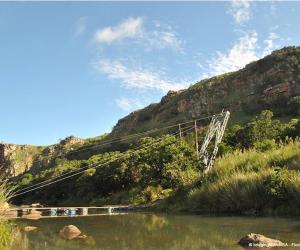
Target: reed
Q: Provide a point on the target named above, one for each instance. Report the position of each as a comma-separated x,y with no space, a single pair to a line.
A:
8,232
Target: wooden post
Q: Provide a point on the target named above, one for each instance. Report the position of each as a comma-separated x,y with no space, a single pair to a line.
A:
180,132
196,140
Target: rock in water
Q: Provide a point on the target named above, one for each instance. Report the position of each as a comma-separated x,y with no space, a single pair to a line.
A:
29,228
258,240
69,232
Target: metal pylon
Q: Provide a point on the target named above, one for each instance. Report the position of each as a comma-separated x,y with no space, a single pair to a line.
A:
216,129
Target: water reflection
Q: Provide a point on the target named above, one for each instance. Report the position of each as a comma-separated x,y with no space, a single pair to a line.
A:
156,231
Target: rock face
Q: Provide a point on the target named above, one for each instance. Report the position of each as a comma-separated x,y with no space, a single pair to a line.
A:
258,240
16,159
268,83
70,232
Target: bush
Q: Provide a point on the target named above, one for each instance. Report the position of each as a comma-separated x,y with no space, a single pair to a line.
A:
262,128
265,145
152,193
27,178
294,105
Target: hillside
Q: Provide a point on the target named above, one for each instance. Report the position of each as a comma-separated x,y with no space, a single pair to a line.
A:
269,83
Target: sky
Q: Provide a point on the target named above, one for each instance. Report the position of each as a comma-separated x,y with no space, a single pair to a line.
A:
75,68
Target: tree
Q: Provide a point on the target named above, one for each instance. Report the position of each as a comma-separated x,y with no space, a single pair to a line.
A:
261,128
294,105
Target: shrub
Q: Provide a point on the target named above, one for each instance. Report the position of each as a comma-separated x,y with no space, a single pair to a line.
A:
294,105
27,178
152,193
265,145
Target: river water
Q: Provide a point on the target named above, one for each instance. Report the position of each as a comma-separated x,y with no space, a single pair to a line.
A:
156,231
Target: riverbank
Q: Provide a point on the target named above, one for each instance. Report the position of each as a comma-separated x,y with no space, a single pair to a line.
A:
256,173
249,182
243,182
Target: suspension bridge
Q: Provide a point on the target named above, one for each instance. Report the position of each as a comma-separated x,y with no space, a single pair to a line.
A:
206,154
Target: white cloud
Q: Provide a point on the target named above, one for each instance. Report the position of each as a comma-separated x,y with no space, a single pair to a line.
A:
128,104
160,36
270,44
129,28
80,26
241,11
244,51
137,78
241,53
162,39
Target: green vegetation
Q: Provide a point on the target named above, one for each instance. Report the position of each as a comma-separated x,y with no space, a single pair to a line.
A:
8,232
159,164
252,182
257,159
257,172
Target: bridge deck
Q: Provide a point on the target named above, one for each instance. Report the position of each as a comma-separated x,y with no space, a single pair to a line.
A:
69,216
61,208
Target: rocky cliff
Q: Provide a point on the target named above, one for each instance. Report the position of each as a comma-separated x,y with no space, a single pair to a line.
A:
269,83
17,159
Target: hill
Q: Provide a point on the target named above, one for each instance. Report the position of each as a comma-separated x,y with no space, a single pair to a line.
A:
270,83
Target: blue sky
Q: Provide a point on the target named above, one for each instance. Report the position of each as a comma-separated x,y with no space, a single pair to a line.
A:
75,68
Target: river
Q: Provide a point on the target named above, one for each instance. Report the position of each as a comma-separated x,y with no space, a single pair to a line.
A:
156,231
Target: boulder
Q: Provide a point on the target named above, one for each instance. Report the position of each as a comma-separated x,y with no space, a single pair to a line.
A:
70,232
29,228
259,240
5,205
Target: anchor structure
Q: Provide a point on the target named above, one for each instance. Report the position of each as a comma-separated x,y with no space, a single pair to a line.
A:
215,132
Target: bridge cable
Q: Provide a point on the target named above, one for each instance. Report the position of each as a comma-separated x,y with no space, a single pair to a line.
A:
79,172
119,139
55,177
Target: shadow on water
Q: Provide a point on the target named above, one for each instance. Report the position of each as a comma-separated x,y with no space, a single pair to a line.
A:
156,231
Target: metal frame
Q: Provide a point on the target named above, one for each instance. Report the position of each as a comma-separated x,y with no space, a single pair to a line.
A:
216,129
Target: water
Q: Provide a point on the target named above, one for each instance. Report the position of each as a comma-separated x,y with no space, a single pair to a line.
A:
157,231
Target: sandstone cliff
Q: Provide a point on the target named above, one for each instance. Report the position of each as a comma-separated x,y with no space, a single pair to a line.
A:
265,84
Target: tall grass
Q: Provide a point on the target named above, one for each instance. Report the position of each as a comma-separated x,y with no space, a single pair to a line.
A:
251,182
284,156
8,232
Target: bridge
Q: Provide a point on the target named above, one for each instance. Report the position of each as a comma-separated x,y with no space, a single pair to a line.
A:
207,157
53,212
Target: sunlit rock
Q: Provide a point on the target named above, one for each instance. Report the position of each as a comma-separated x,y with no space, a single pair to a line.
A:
70,232
258,240
29,228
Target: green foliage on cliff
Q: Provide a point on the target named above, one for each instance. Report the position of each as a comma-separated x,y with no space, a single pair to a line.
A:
158,164
269,83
